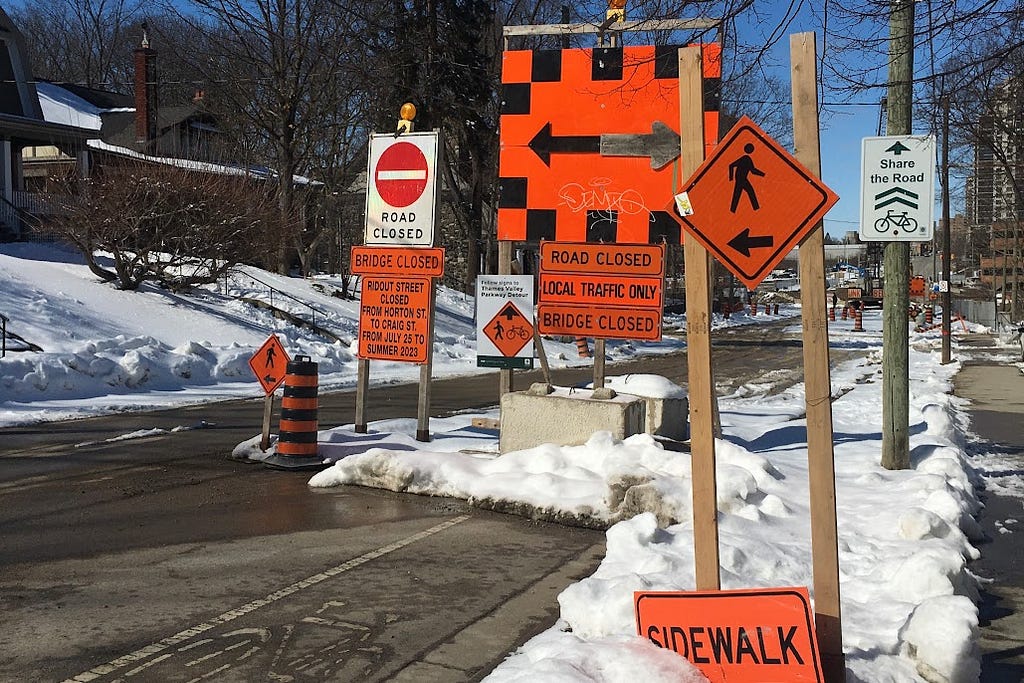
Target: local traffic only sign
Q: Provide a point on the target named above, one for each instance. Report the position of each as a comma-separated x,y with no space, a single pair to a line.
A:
751,202
604,291
897,188
401,189
269,364
504,321
735,636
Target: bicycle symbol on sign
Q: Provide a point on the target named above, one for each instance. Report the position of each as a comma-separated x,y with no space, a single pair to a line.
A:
893,223
519,331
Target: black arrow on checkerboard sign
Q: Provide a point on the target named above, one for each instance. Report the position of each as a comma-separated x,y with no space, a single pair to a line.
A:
661,144
744,241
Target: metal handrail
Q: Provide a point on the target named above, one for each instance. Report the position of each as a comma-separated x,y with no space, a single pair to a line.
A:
239,273
3,335
11,215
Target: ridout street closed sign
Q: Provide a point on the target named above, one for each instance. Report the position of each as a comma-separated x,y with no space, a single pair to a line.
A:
401,184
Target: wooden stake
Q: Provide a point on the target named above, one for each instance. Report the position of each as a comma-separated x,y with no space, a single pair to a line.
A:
423,400
505,383
362,385
599,359
538,344
268,411
817,380
698,335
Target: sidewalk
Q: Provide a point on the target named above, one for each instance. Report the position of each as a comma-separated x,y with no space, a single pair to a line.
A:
996,392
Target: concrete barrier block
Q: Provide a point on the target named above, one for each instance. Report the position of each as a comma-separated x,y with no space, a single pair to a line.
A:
566,418
667,417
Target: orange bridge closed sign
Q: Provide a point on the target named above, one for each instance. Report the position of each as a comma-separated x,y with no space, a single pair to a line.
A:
758,635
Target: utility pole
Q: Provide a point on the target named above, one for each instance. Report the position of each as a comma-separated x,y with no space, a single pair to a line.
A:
896,299
947,303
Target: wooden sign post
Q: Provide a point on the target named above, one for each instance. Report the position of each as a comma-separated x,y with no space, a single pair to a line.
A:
698,337
817,380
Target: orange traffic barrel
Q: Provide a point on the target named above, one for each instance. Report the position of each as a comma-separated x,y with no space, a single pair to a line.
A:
297,432
582,347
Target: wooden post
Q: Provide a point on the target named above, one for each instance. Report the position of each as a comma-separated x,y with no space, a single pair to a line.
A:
698,335
423,401
268,411
599,358
538,345
817,379
505,384
362,385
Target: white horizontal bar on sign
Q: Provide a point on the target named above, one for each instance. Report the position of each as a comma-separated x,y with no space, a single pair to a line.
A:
413,174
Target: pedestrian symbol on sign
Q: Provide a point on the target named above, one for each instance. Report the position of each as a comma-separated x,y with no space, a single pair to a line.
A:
739,171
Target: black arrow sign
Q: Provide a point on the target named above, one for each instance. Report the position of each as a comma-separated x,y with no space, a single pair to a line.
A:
744,242
898,148
269,379
510,312
661,144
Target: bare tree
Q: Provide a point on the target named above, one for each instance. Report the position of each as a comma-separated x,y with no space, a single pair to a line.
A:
179,228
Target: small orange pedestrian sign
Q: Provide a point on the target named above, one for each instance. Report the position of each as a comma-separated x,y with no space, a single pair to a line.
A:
269,364
509,330
752,202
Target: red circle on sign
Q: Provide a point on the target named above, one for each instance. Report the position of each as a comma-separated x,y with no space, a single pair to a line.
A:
401,174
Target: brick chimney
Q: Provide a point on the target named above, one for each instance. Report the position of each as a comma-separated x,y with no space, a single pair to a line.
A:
145,91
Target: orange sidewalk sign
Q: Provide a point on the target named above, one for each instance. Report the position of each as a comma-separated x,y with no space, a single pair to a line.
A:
394,319
269,364
403,261
757,635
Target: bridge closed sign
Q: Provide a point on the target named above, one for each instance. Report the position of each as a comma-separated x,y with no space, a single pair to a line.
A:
757,635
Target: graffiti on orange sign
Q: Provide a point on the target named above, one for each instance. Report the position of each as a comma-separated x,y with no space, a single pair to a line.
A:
601,323
394,319
588,141
640,292
737,636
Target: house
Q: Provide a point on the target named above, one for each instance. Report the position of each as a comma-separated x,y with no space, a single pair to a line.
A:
23,126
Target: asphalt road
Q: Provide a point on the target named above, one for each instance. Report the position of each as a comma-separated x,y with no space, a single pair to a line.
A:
160,559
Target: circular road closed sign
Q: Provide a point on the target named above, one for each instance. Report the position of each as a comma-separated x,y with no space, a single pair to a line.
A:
401,192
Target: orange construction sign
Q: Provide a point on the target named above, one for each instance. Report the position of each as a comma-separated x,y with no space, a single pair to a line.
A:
634,292
599,259
589,140
269,364
753,202
606,322
394,319
509,330
757,635
403,261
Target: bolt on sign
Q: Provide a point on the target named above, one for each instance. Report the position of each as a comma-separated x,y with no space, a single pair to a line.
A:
757,635
504,316
897,188
401,189
398,261
269,364
589,142
606,291
752,202
394,319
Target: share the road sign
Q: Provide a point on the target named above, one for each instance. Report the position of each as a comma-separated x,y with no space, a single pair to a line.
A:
897,188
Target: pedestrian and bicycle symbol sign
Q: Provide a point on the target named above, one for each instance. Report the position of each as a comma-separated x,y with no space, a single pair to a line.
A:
751,202
897,188
504,314
269,364
509,330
